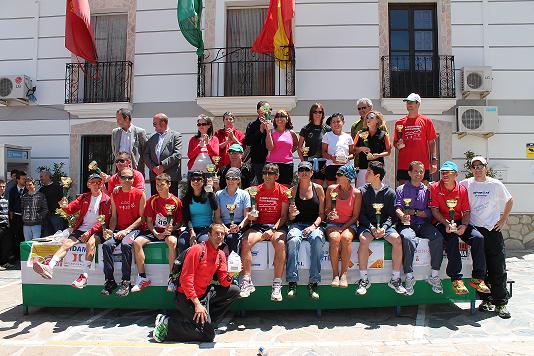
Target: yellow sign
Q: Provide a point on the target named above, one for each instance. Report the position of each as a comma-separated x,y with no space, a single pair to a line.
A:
530,150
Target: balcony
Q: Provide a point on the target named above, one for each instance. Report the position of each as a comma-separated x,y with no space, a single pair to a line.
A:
432,77
98,90
237,78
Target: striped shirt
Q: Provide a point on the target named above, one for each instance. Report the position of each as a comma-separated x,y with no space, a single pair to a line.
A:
3,211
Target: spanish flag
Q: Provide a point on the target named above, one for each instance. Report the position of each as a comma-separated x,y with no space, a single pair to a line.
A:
79,38
277,31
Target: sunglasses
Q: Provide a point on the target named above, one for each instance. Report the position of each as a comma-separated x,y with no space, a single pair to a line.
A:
233,178
478,166
318,112
270,173
363,107
233,152
127,177
339,174
447,173
120,160
304,169
200,124
197,179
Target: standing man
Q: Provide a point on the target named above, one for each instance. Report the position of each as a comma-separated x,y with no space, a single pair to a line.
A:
123,160
487,197
129,138
200,304
448,192
11,183
255,139
53,194
163,153
5,235
15,213
228,136
418,141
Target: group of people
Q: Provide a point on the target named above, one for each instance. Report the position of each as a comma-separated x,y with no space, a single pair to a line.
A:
337,195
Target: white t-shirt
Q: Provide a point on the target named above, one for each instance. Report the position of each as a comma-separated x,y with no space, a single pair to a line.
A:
487,200
337,144
89,220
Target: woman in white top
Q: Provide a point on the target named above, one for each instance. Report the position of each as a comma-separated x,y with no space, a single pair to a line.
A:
337,146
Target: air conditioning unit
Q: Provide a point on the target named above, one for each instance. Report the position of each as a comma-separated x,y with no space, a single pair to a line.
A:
15,87
477,119
477,81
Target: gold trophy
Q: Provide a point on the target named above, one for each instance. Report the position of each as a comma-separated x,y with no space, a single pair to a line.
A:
253,191
93,166
451,204
216,160
231,210
170,209
378,207
334,195
364,136
305,151
102,220
407,202
400,143
66,183
211,168
289,193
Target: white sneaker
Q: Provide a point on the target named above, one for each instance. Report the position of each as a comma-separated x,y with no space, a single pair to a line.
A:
435,282
409,285
246,288
397,286
80,282
276,294
140,284
362,286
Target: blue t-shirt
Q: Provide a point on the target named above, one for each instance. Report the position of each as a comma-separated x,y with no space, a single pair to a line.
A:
241,199
201,213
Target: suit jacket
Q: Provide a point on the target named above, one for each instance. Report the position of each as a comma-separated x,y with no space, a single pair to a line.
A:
138,140
171,155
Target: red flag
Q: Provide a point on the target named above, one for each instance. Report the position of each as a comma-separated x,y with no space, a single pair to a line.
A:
277,27
79,38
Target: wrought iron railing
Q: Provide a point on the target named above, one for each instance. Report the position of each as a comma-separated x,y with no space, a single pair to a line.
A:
237,71
103,82
430,76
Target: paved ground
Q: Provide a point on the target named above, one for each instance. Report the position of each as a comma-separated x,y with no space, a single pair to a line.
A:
436,330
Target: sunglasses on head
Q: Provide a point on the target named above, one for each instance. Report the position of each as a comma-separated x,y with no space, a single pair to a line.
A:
127,177
120,160
304,169
200,124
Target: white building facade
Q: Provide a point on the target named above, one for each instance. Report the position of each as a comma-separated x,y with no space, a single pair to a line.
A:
344,50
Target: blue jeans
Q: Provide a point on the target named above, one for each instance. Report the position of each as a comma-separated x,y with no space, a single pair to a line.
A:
52,223
107,250
31,232
410,239
183,239
294,238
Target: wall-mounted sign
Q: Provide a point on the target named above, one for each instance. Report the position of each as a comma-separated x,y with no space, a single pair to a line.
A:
17,154
530,150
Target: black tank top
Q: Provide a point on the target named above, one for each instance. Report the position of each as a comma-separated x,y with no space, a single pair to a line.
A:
309,209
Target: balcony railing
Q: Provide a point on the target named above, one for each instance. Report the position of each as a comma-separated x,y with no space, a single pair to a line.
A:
429,76
103,82
237,71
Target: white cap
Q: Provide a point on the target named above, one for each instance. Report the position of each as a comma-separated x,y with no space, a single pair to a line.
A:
413,97
480,159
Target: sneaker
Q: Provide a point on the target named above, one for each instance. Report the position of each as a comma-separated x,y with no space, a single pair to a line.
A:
124,289
479,285
43,269
458,287
171,287
397,286
335,282
409,284
313,291
435,282
486,306
140,284
362,286
109,287
9,265
246,288
343,283
2,268
292,289
80,282
276,294
161,328
502,311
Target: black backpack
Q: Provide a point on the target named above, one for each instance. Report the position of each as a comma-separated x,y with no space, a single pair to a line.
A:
179,262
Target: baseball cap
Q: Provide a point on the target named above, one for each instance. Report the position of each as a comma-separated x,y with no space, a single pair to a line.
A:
233,172
305,164
94,176
449,166
480,159
413,97
236,147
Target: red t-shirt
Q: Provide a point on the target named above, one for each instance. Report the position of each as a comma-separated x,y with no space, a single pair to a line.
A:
115,181
155,209
439,194
415,135
127,205
269,203
222,136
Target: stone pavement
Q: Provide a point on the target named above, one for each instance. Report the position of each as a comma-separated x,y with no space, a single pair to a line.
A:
423,330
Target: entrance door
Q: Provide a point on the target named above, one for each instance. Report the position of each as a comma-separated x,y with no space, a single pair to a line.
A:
96,148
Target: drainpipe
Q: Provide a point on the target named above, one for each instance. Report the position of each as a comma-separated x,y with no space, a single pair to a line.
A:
37,15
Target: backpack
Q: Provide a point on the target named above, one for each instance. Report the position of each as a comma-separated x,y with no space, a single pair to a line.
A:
179,262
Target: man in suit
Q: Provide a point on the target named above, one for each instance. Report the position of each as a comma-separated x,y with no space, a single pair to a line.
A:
15,212
129,138
163,153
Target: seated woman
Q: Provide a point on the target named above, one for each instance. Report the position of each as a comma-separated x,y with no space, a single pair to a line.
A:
281,142
336,147
305,215
342,217
232,197
202,146
371,144
198,210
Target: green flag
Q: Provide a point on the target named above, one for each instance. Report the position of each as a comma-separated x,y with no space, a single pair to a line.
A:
189,19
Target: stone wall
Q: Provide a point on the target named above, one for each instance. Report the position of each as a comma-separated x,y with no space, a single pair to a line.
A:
519,232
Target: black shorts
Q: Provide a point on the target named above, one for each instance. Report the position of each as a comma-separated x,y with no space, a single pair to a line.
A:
264,227
403,174
285,176
331,171
76,234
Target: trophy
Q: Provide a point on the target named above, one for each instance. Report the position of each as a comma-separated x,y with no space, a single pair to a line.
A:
400,143
341,155
93,166
378,207
102,220
216,160
451,204
253,191
170,209
364,136
407,202
211,168
231,210
66,183
289,193
305,151
266,109
333,195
